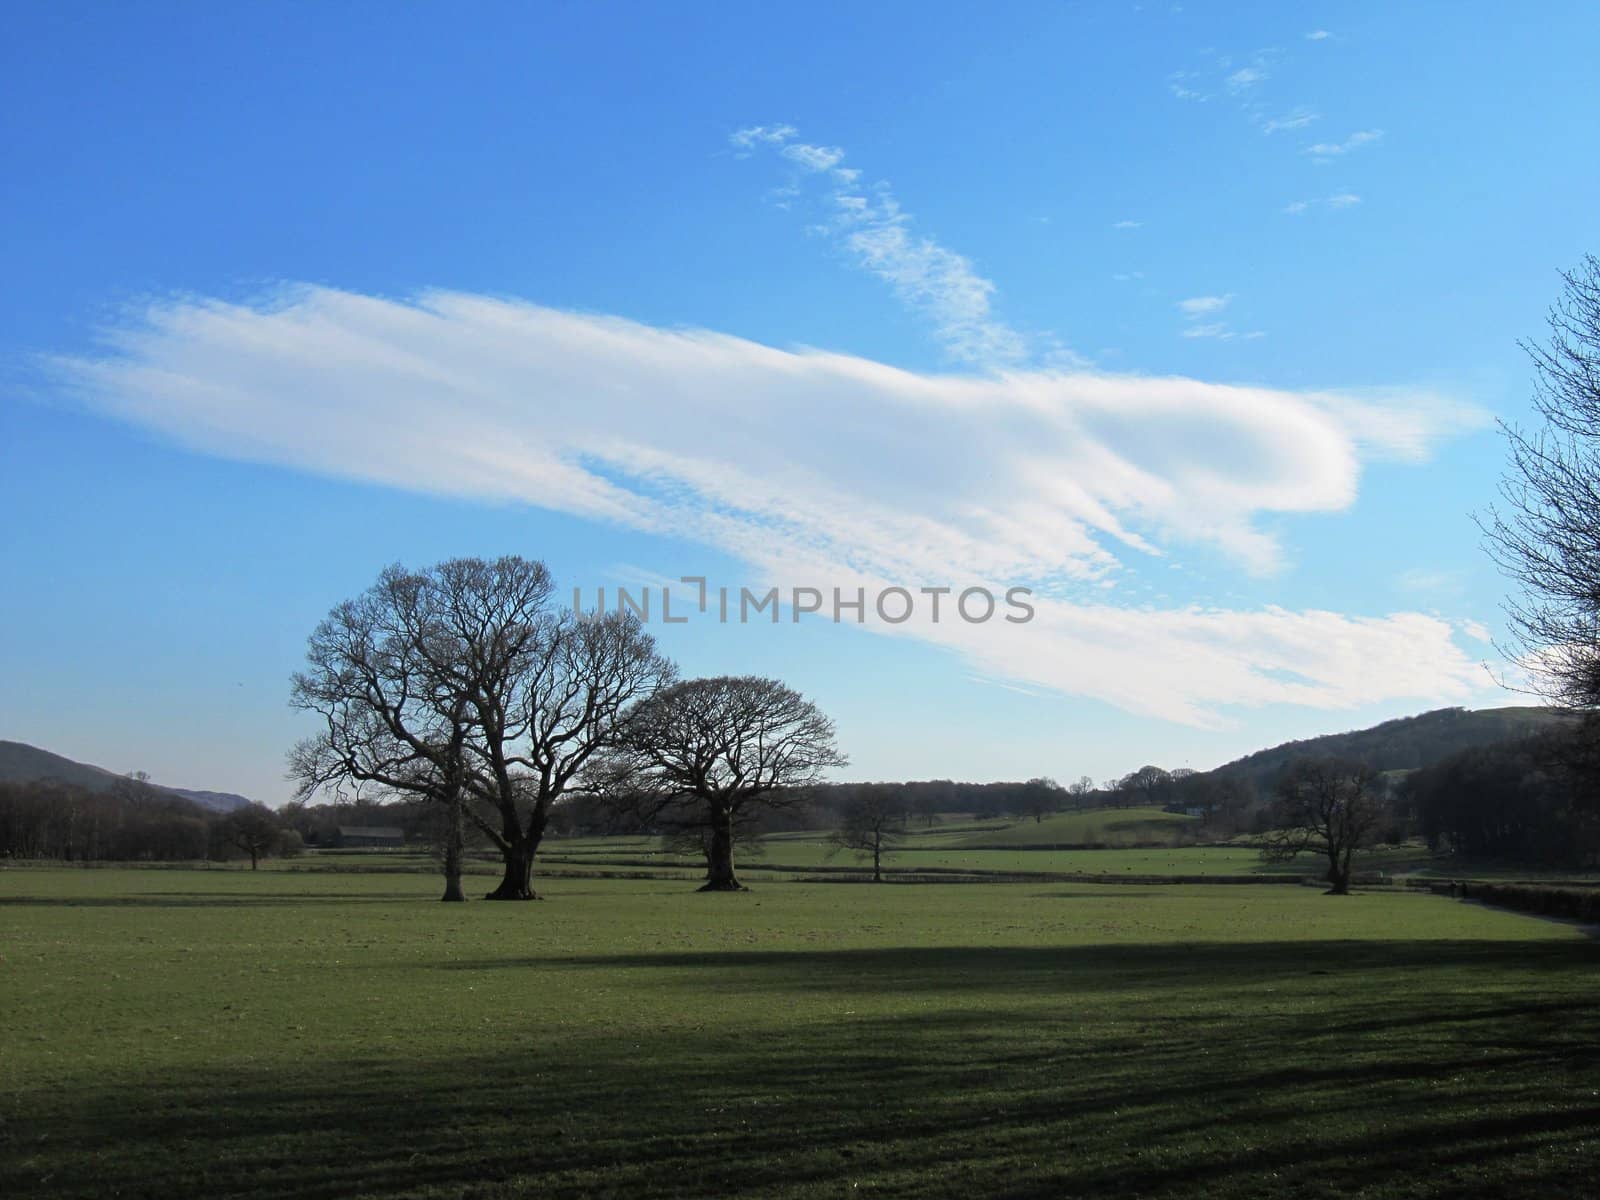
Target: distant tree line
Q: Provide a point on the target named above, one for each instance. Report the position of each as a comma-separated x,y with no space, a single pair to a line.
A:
1527,801
131,822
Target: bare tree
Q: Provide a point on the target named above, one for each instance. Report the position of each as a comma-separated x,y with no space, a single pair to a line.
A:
581,675
398,686
1329,806
1545,533
1080,790
255,830
708,752
1040,798
459,685
873,824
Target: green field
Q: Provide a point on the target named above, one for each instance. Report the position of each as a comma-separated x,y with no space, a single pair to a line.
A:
1109,826
327,1034
999,847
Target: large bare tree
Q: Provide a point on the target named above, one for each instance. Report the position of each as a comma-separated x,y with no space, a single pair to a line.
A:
1328,806
391,681
1545,532
578,677
708,752
458,684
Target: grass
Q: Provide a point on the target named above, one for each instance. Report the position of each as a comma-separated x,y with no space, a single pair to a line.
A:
998,847
327,1034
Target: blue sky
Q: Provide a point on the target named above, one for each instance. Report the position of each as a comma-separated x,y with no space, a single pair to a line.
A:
1193,318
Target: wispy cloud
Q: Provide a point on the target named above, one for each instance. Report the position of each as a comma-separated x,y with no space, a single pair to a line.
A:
1063,480
1244,79
761,135
1298,119
1448,584
878,235
1201,306
1185,85
813,158
1197,309
1127,224
1336,200
1328,150
1244,87
1318,35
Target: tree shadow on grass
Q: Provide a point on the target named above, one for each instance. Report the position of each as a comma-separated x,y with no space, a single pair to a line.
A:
1100,967
209,900
1429,1069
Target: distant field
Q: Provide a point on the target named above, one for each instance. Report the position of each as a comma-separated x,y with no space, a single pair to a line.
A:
999,846
949,847
1105,825
317,1033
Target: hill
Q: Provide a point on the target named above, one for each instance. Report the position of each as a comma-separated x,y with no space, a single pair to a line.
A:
1404,744
22,763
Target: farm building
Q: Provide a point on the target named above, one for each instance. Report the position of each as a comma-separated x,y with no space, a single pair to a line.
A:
369,835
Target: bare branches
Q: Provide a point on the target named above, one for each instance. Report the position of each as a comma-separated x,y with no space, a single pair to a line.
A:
708,749
873,824
1332,806
1545,533
460,685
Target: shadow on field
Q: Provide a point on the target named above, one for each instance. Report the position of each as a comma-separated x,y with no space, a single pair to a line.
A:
209,900
1018,969
1422,1069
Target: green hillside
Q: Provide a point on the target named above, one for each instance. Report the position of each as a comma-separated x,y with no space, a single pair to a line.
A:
1404,744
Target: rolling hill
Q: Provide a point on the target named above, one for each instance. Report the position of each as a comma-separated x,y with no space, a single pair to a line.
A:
22,763
1404,744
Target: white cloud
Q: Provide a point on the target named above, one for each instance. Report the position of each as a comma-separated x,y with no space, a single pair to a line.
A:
813,158
869,224
1199,306
1327,150
1298,119
1337,200
1127,224
761,135
1244,79
1318,35
1182,85
797,462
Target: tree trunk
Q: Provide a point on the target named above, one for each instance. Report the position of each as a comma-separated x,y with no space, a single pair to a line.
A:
517,882
720,878
454,841
877,862
1338,874
254,854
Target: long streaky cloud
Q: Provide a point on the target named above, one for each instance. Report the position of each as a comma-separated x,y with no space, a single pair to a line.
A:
880,237
815,467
